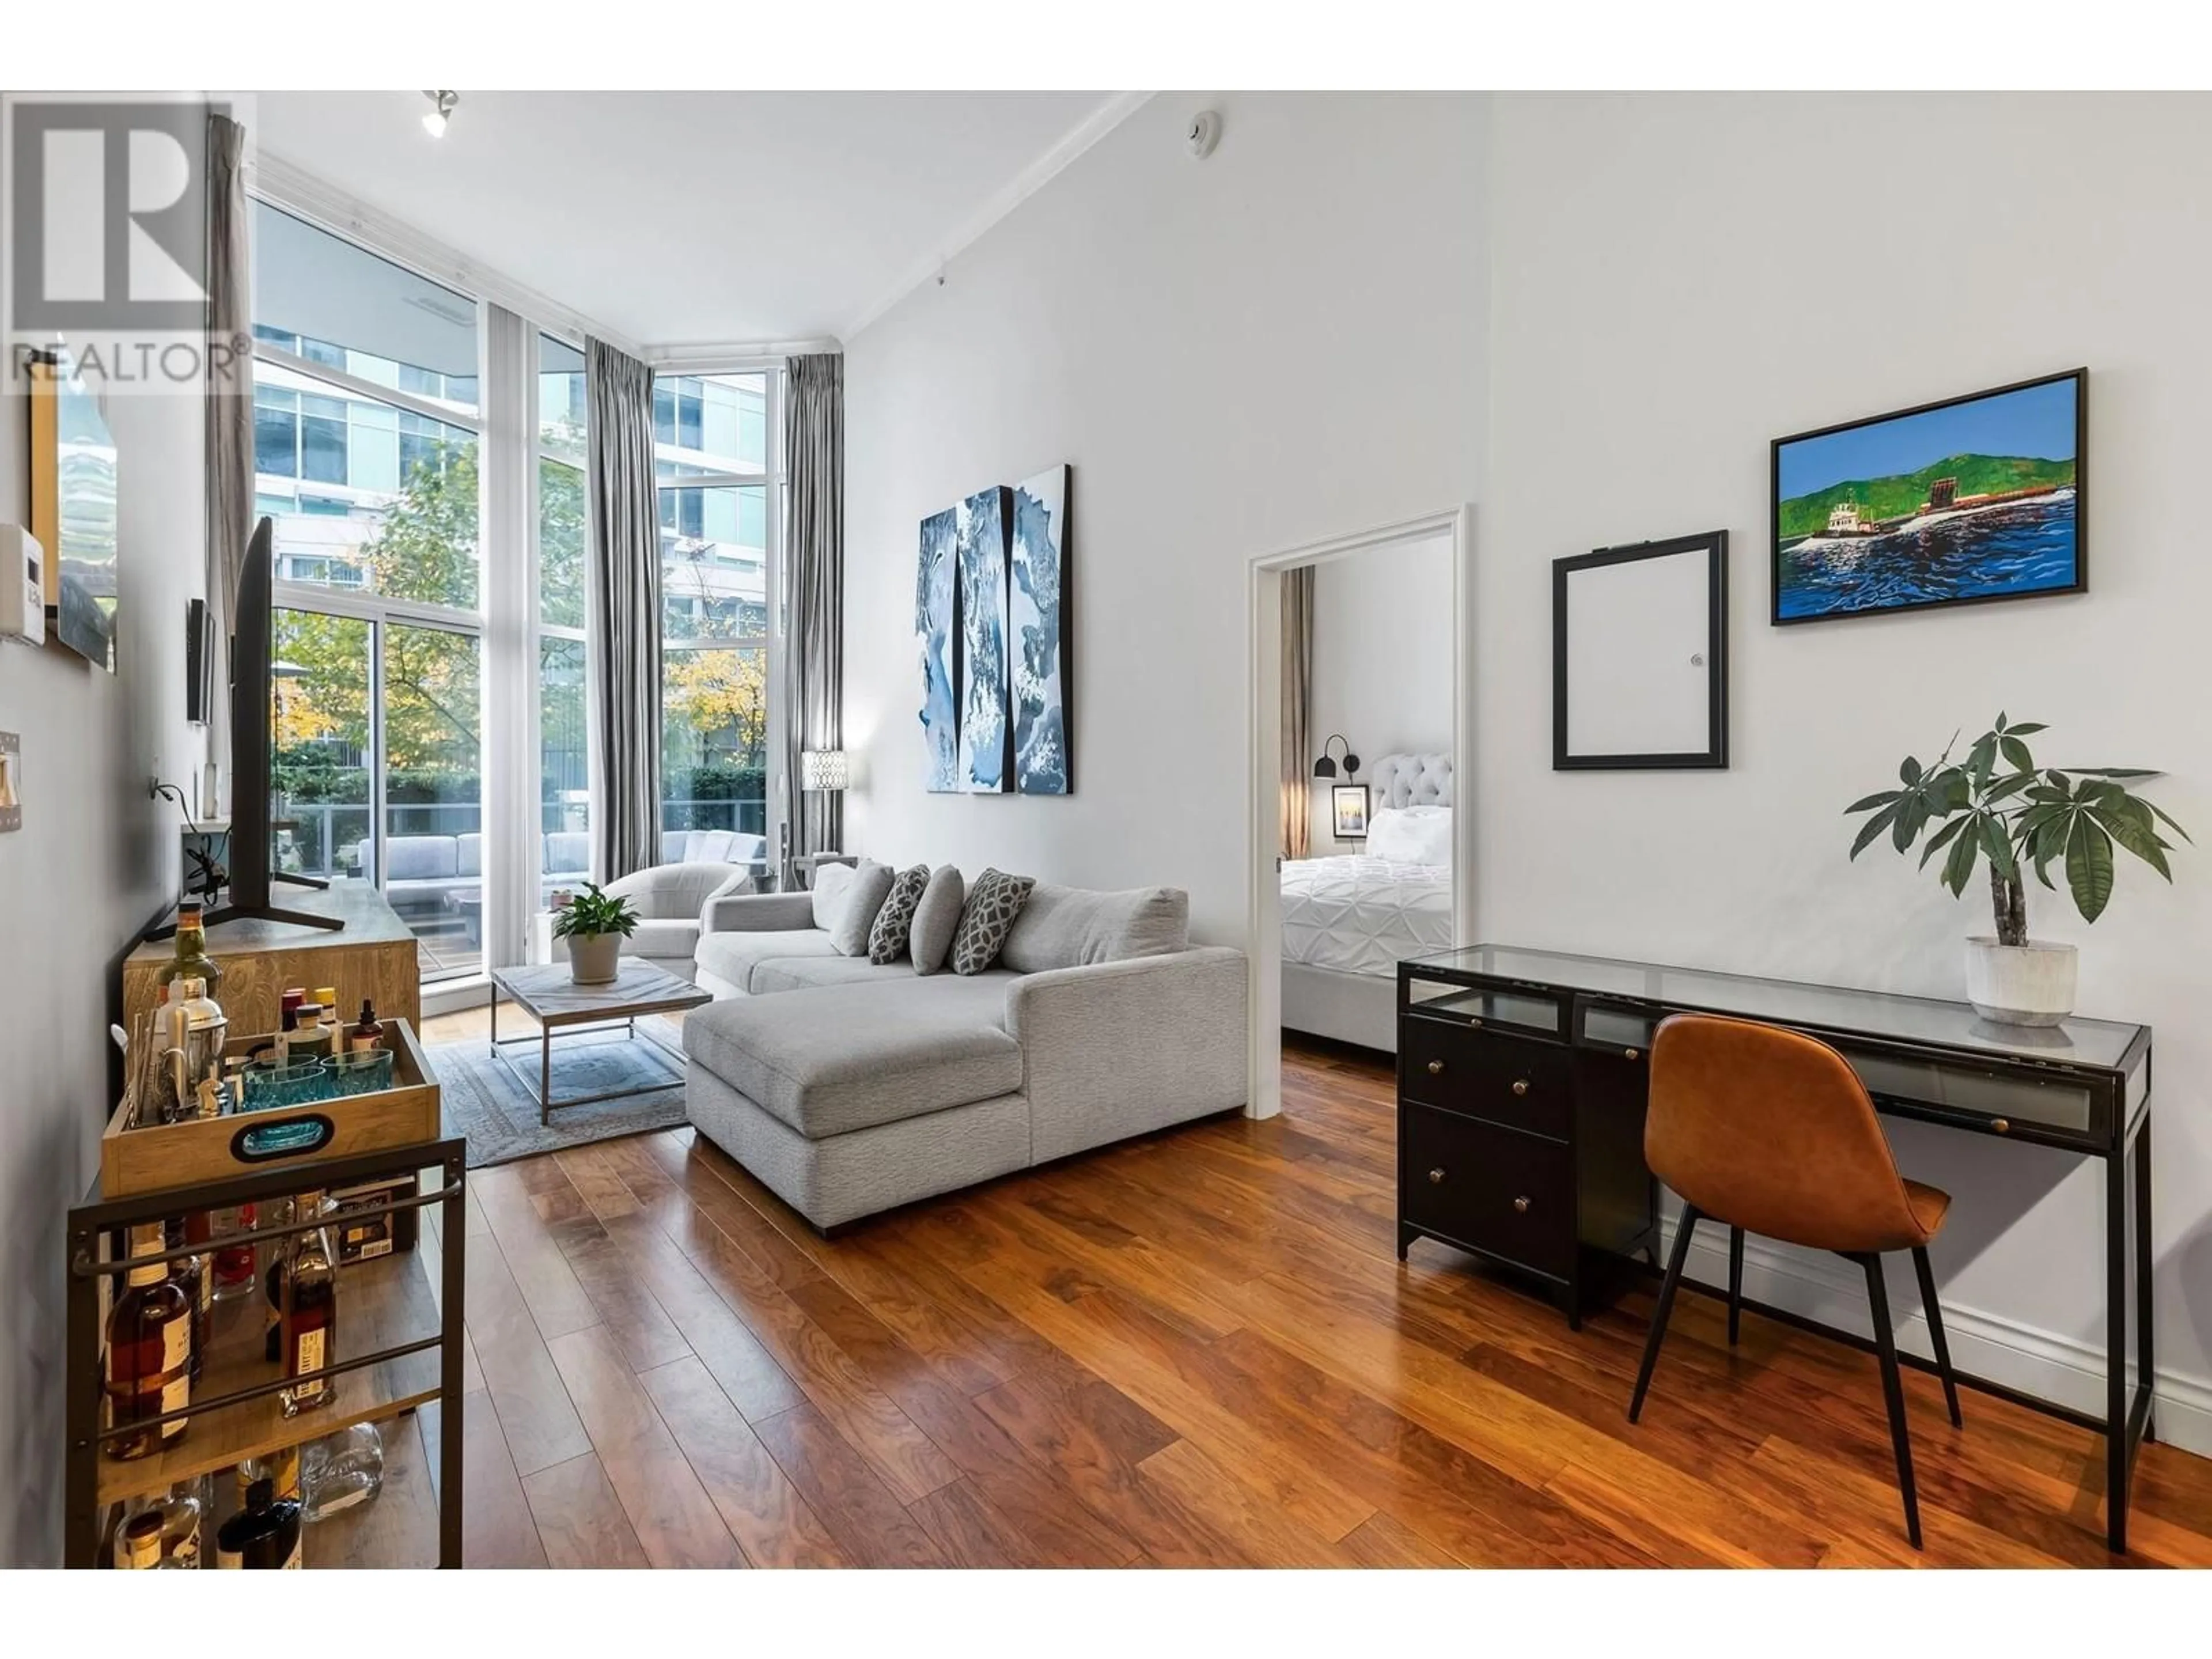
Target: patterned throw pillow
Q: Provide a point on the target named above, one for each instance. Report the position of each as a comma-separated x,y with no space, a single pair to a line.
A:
988,917
887,939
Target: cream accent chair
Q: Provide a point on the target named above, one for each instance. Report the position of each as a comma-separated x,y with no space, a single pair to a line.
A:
669,899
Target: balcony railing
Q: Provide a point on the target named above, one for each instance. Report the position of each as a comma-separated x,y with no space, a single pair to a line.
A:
322,838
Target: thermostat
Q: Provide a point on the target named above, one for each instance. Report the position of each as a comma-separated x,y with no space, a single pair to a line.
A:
22,586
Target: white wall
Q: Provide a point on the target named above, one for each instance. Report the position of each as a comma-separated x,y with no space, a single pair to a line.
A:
1232,370
1382,661
1667,297
95,862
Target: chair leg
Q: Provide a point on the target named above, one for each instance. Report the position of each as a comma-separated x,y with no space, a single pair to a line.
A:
1935,1312
1680,1254
1893,1388
1735,1282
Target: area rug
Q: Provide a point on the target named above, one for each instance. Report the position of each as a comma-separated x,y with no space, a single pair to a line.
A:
486,1103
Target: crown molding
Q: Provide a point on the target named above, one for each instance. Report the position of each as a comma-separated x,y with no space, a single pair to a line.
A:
1025,183
285,185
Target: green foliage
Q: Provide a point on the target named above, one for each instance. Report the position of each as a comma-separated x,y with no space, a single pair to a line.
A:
1903,492
593,911
1996,805
561,508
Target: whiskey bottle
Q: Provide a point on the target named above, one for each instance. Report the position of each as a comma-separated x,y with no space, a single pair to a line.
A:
195,1276
177,1518
264,1533
192,960
149,1350
138,1540
281,1469
306,1270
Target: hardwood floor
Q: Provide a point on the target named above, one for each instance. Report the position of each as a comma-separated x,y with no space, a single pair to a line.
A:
1195,1350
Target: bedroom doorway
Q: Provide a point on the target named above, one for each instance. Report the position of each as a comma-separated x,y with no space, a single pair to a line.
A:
1349,630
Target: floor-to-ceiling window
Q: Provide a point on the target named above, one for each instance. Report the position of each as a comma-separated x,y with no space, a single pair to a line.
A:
717,495
371,434
367,433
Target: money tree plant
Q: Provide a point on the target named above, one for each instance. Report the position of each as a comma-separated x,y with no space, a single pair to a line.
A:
1997,804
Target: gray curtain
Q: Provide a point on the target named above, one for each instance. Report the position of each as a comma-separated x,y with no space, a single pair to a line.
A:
1297,705
814,578
622,620
230,411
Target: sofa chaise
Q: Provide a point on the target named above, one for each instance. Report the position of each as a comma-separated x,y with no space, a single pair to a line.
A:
851,1087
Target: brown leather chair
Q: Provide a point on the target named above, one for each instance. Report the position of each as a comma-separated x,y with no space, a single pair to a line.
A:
1771,1132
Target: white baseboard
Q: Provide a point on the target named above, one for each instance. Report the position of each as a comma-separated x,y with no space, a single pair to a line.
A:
2060,1369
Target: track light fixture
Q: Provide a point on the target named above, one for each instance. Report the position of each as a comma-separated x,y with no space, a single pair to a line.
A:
434,122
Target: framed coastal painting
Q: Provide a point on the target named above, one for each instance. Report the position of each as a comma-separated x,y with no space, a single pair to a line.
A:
1958,502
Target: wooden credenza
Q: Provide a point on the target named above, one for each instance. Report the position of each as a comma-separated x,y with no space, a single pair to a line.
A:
373,956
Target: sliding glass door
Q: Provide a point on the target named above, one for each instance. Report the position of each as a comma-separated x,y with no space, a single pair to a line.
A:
434,827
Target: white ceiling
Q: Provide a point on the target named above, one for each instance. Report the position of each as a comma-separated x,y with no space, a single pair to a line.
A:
686,217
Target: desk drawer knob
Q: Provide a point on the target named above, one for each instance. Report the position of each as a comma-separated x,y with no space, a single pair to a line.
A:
2002,1126
1519,1086
1436,1177
1435,1068
1474,1022
1521,1206
1629,1054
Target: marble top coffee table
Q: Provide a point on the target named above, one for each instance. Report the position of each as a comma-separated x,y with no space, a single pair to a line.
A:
563,1008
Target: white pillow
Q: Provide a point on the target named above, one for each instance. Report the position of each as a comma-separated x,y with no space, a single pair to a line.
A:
1411,835
832,882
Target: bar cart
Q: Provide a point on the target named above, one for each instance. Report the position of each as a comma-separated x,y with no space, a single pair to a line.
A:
399,1342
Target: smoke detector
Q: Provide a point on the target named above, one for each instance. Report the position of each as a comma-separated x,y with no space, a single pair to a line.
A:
1205,133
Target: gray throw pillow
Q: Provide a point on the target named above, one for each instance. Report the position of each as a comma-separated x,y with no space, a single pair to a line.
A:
936,918
887,939
872,885
987,918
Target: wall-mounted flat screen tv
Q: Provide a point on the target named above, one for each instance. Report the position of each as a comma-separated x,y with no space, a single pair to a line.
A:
1975,498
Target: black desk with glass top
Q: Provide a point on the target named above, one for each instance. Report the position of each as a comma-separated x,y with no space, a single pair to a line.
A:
1521,1081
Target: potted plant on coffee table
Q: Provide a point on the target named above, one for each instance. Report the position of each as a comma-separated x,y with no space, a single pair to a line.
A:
595,923
1997,804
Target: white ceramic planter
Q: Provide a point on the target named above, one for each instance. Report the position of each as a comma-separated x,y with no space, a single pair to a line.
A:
594,958
2020,984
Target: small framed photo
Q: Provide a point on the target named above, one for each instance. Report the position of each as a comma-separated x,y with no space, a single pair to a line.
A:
1350,802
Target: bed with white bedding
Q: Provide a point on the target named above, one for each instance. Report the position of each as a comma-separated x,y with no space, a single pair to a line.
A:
1359,915
1348,920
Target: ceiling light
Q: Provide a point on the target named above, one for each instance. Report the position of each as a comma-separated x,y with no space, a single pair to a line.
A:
434,122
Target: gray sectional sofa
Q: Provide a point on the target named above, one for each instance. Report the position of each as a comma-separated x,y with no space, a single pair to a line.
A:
850,1087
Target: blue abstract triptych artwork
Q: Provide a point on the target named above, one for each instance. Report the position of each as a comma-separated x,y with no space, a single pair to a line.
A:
935,619
984,727
1037,611
992,619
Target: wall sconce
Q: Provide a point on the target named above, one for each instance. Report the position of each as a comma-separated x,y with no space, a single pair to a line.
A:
1325,767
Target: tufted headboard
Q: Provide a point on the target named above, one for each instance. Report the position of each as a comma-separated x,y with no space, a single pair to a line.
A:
1410,781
